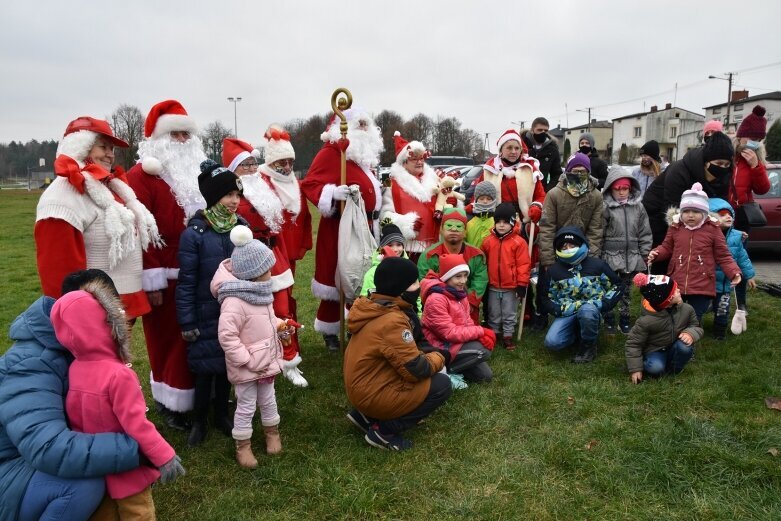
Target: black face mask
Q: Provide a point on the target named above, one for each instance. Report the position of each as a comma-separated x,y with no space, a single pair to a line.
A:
719,172
541,137
585,150
705,139
410,297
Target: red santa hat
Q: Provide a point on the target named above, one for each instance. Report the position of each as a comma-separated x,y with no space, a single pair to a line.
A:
450,265
168,116
234,151
510,135
81,134
404,147
278,144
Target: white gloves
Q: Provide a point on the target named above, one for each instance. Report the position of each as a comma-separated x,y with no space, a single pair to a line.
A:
739,323
341,193
295,376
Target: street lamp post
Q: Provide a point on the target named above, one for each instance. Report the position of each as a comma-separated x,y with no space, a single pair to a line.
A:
729,95
235,124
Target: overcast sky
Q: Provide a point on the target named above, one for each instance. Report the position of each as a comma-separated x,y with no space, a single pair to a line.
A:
487,63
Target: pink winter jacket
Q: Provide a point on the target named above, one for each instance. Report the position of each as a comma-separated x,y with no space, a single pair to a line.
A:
446,321
247,334
104,395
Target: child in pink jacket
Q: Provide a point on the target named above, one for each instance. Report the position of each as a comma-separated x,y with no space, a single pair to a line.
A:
248,332
447,324
104,394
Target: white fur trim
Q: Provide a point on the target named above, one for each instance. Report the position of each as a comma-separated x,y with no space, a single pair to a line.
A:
291,364
77,144
326,328
325,204
282,281
179,400
455,270
405,222
323,292
421,189
414,146
152,166
154,279
263,198
170,122
292,373
241,156
255,153
146,225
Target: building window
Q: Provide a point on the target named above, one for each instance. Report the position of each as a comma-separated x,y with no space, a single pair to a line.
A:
739,107
582,131
717,110
638,131
738,117
673,132
677,114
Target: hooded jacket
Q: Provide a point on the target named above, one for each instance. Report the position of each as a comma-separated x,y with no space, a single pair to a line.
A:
563,209
34,433
446,320
736,247
247,333
657,330
104,394
549,157
627,234
385,374
694,255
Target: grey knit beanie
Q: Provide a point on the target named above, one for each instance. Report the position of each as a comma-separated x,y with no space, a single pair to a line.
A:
588,137
250,258
485,188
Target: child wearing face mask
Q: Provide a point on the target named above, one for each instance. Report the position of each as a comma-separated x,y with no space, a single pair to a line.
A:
627,238
482,213
694,244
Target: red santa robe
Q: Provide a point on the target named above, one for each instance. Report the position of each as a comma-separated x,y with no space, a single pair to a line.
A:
171,381
318,187
264,213
409,199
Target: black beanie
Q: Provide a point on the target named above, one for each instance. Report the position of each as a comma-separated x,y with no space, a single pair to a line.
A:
394,275
651,148
568,234
216,181
505,212
390,233
718,146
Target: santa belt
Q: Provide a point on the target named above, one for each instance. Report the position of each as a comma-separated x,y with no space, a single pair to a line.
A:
271,242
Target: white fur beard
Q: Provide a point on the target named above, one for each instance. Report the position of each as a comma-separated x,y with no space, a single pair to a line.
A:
181,165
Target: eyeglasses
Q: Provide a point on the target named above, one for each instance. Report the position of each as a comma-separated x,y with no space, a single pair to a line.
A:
248,165
416,159
284,162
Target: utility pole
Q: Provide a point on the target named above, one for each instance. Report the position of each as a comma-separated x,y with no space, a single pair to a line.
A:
729,99
486,145
235,125
589,119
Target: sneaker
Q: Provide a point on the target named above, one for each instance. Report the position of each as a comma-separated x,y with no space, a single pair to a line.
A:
624,325
610,329
386,441
357,418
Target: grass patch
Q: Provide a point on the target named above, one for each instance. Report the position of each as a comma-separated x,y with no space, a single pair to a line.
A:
545,440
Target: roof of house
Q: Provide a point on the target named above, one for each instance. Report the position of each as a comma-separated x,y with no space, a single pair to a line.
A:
655,112
594,124
775,95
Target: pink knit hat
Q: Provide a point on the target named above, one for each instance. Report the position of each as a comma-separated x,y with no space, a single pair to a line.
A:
695,199
713,125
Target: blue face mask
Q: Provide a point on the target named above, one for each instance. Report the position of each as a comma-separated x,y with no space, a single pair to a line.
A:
753,145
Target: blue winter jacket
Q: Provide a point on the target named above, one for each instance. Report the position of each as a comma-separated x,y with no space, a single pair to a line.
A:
34,434
201,250
736,247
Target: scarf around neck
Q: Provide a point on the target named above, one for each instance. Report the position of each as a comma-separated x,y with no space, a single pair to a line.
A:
256,293
287,189
221,219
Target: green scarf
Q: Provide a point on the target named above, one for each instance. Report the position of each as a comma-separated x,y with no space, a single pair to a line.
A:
221,219
578,185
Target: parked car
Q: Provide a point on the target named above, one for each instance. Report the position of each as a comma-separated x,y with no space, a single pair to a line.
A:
469,181
769,236
440,161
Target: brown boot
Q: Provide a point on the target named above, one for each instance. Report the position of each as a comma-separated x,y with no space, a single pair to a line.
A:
509,343
273,442
244,456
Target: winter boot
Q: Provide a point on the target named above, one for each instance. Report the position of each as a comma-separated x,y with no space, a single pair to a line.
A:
197,432
175,420
332,343
244,456
509,344
273,441
586,353
623,324
719,331
610,324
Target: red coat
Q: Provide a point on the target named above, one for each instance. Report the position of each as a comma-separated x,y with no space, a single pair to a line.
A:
746,182
297,232
694,255
446,321
281,277
508,260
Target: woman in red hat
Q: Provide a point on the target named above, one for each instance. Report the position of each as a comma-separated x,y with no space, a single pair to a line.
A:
750,173
90,218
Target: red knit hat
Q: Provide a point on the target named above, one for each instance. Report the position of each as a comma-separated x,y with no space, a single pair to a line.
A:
754,126
168,116
451,264
234,151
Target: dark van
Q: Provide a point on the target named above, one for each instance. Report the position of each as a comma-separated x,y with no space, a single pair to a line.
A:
439,161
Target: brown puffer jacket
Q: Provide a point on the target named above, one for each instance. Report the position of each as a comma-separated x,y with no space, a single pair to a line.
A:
561,209
385,374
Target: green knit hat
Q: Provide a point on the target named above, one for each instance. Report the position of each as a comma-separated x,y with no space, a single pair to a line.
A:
456,214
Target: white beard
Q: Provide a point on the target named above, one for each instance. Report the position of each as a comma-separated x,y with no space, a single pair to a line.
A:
181,166
365,145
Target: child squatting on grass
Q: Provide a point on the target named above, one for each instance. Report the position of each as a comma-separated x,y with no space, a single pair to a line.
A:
104,394
248,331
663,337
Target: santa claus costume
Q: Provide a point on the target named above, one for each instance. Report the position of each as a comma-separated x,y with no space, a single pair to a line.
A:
322,186
90,218
263,210
166,181
409,202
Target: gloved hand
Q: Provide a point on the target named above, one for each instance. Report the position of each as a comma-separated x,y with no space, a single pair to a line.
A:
191,335
171,470
341,193
437,215
418,224
488,339
535,213
520,292
446,354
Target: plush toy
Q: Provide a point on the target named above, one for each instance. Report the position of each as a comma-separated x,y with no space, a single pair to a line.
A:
285,330
446,197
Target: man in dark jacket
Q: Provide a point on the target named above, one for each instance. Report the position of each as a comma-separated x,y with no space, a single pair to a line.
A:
544,148
587,145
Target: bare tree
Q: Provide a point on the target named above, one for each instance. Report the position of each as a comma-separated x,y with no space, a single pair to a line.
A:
419,128
212,136
127,121
305,138
447,137
389,122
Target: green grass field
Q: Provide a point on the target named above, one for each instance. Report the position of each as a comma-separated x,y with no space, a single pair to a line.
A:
545,440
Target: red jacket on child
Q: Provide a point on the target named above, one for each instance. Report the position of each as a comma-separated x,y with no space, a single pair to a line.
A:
446,320
508,261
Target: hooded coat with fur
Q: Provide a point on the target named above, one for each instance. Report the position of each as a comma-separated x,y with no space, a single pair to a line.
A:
104,394
627,239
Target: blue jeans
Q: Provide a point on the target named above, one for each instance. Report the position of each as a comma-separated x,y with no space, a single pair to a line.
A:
564,331
50,498
671,360
700,303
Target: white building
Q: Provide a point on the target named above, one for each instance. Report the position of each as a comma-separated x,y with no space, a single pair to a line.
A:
675,129
742,105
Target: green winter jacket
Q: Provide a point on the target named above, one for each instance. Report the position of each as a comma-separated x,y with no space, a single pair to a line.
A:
657,330
477,229
368,279
561,209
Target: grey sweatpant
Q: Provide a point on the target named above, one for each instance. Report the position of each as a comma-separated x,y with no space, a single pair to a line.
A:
502,311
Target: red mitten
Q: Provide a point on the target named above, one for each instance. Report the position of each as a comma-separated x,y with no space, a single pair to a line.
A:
535,213
343,143
488,339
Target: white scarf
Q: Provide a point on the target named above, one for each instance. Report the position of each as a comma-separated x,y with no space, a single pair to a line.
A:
423,188
263,198
286,187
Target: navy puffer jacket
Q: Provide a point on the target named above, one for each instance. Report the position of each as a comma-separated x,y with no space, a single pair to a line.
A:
34,434
201,250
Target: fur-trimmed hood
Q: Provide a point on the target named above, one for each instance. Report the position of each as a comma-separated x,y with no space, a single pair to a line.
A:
673,217
91,323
